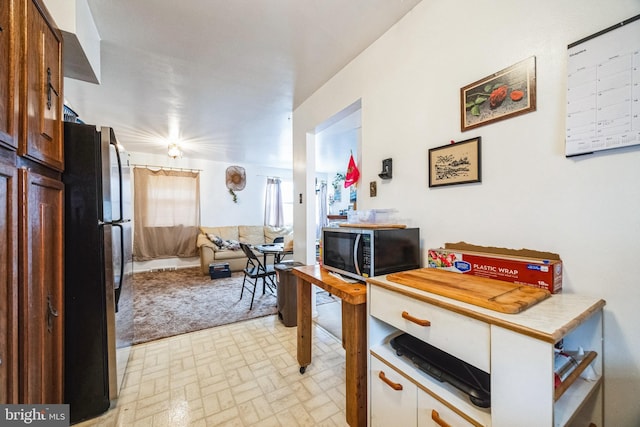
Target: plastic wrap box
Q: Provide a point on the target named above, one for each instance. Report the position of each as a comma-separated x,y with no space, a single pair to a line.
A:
522,266
219,270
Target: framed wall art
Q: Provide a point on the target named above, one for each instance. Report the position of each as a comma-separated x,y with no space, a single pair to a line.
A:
457,163
504,94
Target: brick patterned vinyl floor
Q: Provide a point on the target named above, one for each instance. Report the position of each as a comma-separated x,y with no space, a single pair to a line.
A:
242,374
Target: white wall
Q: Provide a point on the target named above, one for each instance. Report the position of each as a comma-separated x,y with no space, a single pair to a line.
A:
587,209
216,204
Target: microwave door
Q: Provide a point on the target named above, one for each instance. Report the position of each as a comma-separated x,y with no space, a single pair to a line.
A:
356,254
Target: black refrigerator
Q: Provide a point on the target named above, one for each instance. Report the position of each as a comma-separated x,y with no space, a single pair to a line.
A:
98,269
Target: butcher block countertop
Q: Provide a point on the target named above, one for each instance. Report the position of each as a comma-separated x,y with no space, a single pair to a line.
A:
493,294
548,319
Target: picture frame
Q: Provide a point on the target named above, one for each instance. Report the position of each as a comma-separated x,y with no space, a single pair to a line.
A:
507,93
352,194
456,163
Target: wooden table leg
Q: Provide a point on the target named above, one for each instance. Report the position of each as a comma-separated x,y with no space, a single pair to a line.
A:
304,323
354,322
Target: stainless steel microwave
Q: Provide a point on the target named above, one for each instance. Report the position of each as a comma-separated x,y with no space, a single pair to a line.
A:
363,252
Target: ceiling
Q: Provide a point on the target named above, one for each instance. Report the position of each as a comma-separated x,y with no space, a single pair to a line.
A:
222,77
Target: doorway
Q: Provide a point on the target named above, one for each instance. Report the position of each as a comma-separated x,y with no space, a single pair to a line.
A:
336,140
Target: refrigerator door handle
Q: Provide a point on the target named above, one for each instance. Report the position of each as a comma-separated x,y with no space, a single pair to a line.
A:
118,290
120,196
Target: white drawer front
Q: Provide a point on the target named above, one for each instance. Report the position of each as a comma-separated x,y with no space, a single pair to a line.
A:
466,338
391,407
433,413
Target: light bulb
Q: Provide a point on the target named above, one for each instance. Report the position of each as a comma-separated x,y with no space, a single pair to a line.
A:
174,151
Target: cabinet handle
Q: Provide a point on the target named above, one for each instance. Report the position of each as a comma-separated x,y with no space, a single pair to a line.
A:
410,318
50,88
395,386
51,314
435,416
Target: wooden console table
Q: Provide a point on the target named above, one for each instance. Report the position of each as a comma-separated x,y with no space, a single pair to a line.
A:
354,333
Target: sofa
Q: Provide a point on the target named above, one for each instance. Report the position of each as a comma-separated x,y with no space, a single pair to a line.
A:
226,247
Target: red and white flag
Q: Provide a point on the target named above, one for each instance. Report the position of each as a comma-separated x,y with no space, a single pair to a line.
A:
352,175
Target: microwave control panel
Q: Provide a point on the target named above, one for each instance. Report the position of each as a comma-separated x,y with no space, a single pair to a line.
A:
366,252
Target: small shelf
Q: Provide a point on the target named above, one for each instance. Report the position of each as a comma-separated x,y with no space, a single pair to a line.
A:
581,391
336,217
575,374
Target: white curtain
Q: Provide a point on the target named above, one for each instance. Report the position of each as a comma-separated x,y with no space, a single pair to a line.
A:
273,207
321,203
166,213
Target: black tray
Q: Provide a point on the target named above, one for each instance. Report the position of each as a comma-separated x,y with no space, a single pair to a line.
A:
446,368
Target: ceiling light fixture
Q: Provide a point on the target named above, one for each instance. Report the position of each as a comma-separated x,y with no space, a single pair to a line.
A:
174,151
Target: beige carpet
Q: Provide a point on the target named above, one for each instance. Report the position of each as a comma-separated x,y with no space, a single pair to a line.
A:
175,302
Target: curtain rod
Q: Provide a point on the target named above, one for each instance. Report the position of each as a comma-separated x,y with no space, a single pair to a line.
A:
166,167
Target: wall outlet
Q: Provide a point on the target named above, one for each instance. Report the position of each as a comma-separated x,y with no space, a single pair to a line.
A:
373,189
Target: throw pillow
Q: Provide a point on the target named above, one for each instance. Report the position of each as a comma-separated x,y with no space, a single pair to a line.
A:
216,240
288,246
233,245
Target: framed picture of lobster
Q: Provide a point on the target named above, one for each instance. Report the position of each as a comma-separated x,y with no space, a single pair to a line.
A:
504,94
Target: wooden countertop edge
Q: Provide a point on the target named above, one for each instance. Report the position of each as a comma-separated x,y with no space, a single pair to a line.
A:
553,337
351,293
598,305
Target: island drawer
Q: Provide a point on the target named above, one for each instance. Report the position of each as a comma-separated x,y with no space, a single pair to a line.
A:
461,336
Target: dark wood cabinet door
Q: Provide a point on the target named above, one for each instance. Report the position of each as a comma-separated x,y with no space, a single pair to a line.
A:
42,52
41,296
8,74
8,283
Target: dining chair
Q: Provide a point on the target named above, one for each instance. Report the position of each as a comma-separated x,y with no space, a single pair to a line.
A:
277,258
254,271
281,256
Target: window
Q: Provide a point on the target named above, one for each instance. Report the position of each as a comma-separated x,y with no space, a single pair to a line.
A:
287,201
167,213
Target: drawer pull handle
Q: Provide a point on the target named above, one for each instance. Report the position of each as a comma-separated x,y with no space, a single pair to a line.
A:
436,417
395,386
410,318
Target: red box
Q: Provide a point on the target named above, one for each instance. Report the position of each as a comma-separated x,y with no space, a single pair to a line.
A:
522,266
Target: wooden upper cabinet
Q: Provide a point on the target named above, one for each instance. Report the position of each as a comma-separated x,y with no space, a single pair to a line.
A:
41,299
31,205
8,74
42,86
8,283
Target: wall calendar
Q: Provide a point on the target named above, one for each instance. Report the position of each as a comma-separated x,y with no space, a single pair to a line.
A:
603,90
